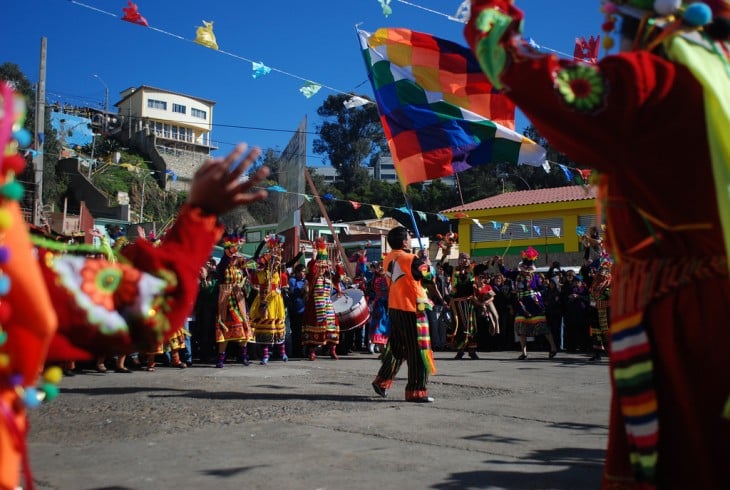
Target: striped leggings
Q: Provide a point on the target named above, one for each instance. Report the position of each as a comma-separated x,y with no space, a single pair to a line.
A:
403,345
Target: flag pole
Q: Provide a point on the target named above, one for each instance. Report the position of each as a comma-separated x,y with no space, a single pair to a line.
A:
413,219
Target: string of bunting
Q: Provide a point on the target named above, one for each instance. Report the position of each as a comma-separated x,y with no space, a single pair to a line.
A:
205,36
379,211
580,176
462,16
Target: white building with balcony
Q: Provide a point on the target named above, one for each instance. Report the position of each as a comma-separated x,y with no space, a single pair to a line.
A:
174,126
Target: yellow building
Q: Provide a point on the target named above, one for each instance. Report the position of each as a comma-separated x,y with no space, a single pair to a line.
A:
547,219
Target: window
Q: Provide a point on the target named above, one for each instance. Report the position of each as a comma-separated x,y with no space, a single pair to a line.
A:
519,229
253,236
198,113
178,108
587,221
157,104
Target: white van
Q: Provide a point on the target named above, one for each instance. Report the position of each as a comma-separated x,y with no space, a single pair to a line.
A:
564,268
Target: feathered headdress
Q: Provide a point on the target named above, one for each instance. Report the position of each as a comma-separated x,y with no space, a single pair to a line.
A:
234,239
659,20
529,256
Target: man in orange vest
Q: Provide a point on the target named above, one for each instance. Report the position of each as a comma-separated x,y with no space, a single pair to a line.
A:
407,304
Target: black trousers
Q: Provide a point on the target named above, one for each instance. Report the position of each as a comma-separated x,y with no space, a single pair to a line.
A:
403,346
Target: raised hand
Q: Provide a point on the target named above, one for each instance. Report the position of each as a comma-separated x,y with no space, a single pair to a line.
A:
217,187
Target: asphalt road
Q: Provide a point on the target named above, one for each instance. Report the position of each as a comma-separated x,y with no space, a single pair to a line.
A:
496,423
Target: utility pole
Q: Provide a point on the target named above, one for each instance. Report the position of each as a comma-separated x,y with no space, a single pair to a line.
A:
39,137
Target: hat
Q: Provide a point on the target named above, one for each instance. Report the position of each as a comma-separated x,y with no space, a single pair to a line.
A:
321,250
527,264
671,17
233,239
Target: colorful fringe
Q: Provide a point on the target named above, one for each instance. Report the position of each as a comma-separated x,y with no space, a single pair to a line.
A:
633,373
637,283
424,342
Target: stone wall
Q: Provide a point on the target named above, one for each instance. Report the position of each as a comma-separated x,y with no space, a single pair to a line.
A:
182,163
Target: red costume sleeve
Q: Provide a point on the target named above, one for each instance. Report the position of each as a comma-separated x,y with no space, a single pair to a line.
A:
176,261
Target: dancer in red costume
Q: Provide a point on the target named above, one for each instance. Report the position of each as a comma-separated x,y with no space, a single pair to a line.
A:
647,118
62,307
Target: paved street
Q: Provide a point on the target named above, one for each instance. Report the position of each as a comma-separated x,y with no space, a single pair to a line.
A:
497,423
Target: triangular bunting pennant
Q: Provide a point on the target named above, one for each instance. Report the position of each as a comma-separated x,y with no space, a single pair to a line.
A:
385,4
378,212
309,89
566,172
355,101
259,69
205,37
556,232
476,222
131,14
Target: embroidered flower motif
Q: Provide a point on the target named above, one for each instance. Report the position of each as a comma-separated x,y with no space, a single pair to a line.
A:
581,86
99,281
128,291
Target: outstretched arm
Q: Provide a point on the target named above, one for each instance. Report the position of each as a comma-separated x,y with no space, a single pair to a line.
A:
172,268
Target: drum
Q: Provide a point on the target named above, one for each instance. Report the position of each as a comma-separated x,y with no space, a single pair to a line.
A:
351,309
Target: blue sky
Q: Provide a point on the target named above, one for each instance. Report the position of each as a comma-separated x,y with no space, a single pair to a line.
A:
308,40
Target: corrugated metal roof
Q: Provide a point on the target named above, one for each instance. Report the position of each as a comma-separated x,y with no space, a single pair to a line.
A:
526,198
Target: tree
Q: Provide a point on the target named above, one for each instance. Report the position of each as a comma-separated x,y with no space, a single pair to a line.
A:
54,186
349,138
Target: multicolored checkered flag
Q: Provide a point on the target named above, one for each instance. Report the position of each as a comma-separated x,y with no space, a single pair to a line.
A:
439,112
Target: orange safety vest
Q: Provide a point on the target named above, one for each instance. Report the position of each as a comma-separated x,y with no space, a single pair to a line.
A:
403,288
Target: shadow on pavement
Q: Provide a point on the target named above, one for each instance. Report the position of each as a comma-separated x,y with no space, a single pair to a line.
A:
572,468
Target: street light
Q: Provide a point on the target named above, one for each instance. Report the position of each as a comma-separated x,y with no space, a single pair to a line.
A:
106,101
504,175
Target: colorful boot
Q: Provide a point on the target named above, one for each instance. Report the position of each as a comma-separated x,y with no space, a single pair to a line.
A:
176,362
312,353
150,363
265,356
244,355
333,352
221,360
282,352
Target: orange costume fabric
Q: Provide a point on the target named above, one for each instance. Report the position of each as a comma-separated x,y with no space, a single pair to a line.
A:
50,321
29,327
